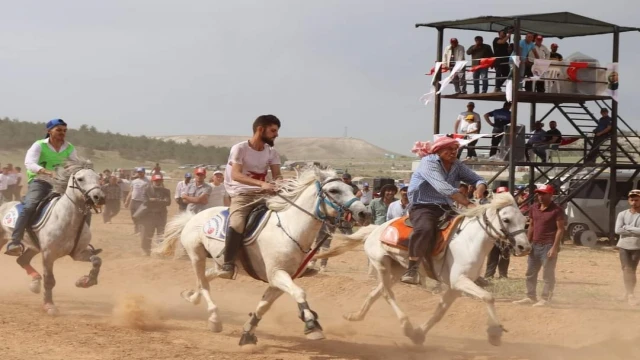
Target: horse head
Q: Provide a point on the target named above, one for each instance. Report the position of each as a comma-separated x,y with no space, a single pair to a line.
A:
335,198
79,182
504,223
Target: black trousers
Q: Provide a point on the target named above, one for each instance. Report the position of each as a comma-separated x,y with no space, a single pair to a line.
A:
495,142
497,259
502,70
425,219
597,142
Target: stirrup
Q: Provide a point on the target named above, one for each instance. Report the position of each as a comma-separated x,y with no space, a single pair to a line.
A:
12,252
229,273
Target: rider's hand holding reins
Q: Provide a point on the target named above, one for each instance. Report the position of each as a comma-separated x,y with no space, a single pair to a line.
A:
269,188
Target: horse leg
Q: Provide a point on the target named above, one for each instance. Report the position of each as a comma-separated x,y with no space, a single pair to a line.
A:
49,283
495,329
312,329
24,261
371,298
415,335
445,304
199,262
90,280
268,298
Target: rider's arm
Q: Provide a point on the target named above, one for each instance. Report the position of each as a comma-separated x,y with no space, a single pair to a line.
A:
276,174
432,173
470,177
32,157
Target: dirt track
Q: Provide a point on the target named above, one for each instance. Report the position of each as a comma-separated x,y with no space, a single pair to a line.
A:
100,323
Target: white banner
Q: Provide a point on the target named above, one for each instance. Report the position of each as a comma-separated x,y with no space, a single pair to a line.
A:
516,60
428,97
538,69
469,138
509,90
459,66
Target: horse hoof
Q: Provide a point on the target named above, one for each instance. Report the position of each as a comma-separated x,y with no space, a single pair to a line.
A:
352,317
248,341
495,340
86,282
188,294
315,335
35,286
418,337
51,309
215,327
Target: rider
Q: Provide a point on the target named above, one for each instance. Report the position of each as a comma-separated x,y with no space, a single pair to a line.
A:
245,182
432,191
41,160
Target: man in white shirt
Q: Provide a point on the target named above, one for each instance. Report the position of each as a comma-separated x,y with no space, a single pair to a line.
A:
455,52
245,181
468,122
180,189
219,196
399,208
4,185
628,227
367,194
540,52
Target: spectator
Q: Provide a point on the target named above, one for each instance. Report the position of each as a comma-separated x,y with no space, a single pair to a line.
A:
156,170
137,196
399,208
4,185
539,51
554,55
380,206
537,143
219,196
628,227
113,197
17,195
468,122
602,132
546,229
197,194
455,52
477,52
155,218
180,189
526,45
367,194
502,118
501,52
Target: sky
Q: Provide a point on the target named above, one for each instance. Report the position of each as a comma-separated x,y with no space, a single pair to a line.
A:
159,67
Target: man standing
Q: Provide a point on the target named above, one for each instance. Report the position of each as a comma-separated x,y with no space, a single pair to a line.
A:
137,196
628,227
5,195
399,208
246,183
554,55
346,178
155,218
367,194
197,193
546,229
41,160
498,259
480,51
502,118
219,196
501,52
380,206
113,197
602,132
180,189
432,192
455,52
468,122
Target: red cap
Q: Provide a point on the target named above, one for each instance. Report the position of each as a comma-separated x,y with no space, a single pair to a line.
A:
502,189
554,45
546,189
156,177
202,171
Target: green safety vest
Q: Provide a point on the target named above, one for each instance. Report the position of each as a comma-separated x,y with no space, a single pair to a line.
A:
49,159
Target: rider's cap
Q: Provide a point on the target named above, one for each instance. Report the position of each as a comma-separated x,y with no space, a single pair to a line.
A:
199,171
53,123
634,192
156,177
187,175
546,189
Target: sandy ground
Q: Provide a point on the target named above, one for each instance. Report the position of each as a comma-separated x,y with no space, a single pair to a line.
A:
136,313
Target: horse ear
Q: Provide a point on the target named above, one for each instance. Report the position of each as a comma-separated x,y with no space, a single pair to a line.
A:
320,175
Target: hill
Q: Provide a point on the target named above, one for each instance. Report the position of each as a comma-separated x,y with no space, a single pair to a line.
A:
302,148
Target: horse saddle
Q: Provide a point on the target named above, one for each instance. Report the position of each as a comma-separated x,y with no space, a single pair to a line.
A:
397,234
216,227
43,211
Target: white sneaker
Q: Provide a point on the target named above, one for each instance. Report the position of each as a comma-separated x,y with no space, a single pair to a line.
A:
525,301
541,303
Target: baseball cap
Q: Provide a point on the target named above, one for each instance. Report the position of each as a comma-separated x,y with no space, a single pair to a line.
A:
453,40
546,189
200,171
634,192
156,177
218,172
404,187
365,184
53,123
554,45
187,175
502,189
140,169
346,176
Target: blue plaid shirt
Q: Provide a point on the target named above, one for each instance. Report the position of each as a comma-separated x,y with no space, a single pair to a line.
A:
431,184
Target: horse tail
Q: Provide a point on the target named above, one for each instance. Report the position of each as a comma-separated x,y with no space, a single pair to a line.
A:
172,233
350,242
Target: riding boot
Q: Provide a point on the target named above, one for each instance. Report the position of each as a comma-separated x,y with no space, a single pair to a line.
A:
412,276
232,244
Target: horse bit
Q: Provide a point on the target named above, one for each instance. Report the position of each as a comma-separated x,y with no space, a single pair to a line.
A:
500,235
88,202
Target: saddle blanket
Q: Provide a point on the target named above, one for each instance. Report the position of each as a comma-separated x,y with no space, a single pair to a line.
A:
10,218
397,234
216,227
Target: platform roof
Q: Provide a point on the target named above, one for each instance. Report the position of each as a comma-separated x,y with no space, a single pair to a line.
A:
558,25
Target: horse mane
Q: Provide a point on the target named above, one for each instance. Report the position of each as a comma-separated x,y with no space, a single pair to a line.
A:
63,173
498,201
291,189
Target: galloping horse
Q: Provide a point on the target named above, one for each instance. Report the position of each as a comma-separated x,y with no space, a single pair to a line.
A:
497,223
60,227
276,243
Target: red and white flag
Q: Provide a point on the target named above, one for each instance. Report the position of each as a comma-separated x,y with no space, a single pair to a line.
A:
572,70
485,63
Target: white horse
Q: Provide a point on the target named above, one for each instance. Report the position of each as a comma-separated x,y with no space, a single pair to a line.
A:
276,250
62,229
498,223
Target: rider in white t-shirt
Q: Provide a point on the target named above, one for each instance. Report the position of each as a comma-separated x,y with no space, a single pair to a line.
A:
245,179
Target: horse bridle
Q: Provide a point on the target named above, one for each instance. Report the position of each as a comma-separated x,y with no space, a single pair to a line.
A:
503,238
88,202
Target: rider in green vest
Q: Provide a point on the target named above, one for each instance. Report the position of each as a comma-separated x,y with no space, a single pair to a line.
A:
41,160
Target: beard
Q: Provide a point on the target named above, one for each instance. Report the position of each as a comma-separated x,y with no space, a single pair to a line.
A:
267,140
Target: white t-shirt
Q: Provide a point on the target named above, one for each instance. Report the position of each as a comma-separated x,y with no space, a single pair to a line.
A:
216,198
4,182
464,126
255,164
